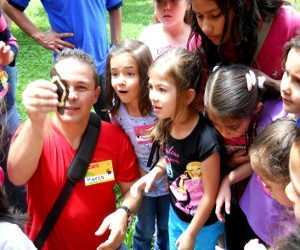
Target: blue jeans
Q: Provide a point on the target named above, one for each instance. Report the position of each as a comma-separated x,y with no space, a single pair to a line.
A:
152,215
10,121
123,246
206,239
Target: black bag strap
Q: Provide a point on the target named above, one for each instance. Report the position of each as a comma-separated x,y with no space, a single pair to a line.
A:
262,35
76,173
154,150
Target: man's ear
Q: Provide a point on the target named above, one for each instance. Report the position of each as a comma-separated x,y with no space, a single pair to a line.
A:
96,94
258,108
189,96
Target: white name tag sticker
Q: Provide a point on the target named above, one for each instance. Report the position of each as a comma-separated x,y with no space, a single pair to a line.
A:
99,172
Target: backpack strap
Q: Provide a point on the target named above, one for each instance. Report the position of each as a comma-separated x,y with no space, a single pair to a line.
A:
262,35
154,151
76,173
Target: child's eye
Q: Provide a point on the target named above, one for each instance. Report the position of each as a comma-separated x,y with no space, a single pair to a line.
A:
162,90
216,16
233,127
130,74
199,17
114,74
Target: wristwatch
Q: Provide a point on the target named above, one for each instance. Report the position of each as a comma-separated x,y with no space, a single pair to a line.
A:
128,212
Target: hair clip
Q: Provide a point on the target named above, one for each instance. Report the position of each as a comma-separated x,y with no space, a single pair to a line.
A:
298,123
261,81
251,79
215,68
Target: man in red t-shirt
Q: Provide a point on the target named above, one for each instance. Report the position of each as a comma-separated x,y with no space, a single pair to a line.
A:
43,147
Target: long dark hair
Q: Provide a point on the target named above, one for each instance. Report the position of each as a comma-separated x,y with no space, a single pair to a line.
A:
247,16
10,214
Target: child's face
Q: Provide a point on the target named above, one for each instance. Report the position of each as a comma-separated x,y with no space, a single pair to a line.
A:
274,189
290,83
170,12
229,128
125,80
211,20
162,94
293,188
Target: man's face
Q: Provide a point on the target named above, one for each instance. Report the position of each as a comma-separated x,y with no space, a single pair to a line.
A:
82,95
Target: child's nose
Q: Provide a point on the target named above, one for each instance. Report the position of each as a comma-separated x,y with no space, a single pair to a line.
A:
152,95
167,5
285,83
121,80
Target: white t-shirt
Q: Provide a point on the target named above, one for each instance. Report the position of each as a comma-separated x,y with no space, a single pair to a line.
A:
12,238
154,37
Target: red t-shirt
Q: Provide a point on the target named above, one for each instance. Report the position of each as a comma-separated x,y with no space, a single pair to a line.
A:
91,200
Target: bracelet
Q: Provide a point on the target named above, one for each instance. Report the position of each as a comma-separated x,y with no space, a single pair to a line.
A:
128,212
161,167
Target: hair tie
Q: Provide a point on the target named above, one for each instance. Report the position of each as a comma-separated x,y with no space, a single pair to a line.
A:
261,81
251,79
215,68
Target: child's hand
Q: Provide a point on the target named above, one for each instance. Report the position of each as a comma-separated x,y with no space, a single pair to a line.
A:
6,55
254,245
185,241
146,182
237,159
224,196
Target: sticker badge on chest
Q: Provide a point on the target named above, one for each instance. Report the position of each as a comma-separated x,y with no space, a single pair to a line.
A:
142,134
99,172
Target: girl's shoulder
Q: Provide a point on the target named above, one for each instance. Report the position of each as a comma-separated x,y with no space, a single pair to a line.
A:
205,129
150,31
